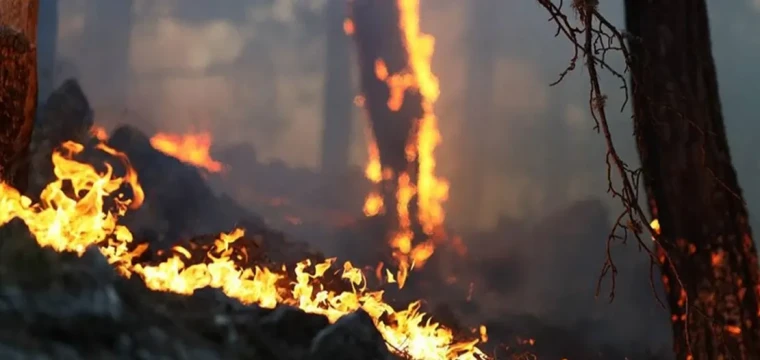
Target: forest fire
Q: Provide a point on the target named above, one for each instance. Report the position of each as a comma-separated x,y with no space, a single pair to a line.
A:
74,220
192,149
424,187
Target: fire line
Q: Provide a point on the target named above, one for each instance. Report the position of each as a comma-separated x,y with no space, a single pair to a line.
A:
74,221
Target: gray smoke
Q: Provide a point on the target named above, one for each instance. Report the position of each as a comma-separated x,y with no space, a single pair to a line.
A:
515,149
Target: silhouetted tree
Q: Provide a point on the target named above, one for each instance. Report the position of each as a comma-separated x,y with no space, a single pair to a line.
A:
709,259
704,244
18,87
379,38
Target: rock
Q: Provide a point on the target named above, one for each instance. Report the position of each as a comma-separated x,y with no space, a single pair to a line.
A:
217,299
65,116
352,337
296,327
179,204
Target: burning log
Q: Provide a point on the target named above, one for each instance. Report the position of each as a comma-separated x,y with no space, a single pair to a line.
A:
18,87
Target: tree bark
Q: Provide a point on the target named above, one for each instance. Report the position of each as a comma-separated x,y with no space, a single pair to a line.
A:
693,191
379,37
18,87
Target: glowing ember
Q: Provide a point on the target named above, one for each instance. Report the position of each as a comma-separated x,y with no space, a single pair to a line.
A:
74,220
373,205
483,333
192,149
348,27
373,171
655,225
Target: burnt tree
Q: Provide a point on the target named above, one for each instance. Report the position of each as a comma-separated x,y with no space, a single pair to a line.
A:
18,87
379,39
706,240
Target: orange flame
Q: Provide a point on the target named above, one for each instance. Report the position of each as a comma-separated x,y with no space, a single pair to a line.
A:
73,221
192,149
348,27
431,191
373,171
373,205
72,224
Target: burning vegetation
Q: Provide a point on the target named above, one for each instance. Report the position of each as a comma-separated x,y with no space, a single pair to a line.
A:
75,231
82,208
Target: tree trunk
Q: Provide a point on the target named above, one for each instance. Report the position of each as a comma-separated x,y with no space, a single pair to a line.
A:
338,105
18,87
691,183
379,38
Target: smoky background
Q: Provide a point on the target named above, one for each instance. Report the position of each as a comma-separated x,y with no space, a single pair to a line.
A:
274,82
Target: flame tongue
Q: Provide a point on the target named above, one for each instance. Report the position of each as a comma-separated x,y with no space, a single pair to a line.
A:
73,224
75,220
188,148
431,190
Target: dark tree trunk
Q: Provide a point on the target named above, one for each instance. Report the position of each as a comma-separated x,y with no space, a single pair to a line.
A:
691,183
18,88
338,105
379,38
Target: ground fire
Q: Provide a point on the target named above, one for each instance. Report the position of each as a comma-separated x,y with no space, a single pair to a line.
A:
82,208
